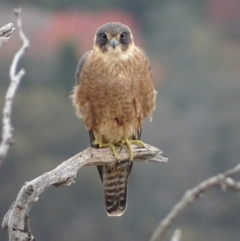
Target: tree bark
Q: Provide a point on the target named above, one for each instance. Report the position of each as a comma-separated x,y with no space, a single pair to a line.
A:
16,219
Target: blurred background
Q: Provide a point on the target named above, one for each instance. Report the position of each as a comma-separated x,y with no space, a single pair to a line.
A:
194,47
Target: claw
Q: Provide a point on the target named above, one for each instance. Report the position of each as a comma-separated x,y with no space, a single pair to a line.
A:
129,142
123,142
111,145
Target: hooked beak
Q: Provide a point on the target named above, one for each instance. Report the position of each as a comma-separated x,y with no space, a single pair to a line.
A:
114,43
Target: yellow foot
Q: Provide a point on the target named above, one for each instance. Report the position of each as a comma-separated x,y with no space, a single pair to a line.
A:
129,142
111,145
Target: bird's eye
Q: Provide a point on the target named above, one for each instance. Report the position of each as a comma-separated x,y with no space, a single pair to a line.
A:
103,36
123,35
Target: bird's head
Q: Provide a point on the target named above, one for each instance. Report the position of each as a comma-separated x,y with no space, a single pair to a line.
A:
113,39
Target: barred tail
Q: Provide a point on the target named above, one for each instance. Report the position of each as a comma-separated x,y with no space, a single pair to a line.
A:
115,180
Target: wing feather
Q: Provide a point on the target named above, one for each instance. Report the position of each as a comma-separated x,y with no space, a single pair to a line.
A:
80,66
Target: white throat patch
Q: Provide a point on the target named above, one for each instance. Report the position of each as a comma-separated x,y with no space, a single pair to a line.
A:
118,54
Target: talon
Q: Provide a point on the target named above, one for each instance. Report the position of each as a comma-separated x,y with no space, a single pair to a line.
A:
129,142
111,145
138,143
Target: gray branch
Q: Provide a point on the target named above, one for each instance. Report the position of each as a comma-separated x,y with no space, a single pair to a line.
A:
176,235
221,180
15,78
16,219
5,33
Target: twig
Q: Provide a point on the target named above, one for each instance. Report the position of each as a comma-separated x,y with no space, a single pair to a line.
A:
223,180
17,221
15,78
5,33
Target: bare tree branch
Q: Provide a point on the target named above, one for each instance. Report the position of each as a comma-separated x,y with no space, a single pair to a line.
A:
5,33
223,180
16,219
15,77
176,235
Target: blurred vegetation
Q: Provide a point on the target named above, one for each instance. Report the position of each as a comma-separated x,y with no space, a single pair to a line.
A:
67,60
138,8
196,124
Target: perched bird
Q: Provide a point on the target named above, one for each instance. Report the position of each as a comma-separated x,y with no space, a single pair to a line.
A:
113,94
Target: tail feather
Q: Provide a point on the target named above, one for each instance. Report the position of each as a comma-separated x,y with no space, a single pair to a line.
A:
115,180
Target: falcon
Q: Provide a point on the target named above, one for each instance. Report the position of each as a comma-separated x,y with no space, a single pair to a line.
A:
113,95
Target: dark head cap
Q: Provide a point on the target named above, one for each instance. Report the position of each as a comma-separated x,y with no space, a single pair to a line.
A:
113,35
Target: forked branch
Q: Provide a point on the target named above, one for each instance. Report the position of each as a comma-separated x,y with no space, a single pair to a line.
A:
17,220
15,78
222,180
